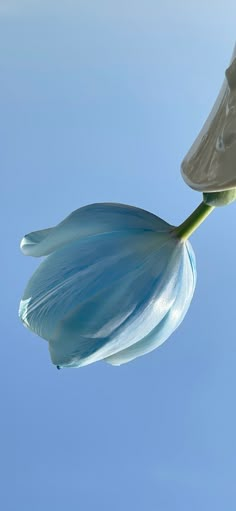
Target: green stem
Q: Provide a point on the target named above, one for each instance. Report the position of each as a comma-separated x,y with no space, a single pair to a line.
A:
190,225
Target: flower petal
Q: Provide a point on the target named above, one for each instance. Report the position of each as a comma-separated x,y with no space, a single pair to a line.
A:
101,295
184,292
90,221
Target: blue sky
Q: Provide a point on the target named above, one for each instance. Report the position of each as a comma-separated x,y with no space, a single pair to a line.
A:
100,101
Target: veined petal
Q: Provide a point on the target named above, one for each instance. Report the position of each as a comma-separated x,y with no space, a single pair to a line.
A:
140,308
90,221
175,315
101,295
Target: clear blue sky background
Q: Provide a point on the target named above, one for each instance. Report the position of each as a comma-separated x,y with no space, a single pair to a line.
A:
100,100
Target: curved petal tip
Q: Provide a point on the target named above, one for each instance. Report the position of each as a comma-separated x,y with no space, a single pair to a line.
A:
30,242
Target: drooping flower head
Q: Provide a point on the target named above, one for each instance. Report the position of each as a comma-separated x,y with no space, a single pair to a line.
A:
116,282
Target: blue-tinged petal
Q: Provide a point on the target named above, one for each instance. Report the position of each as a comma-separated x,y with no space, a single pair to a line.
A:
184,292
90,221
97,296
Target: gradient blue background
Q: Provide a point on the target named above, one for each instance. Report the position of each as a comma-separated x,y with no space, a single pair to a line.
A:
100,102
